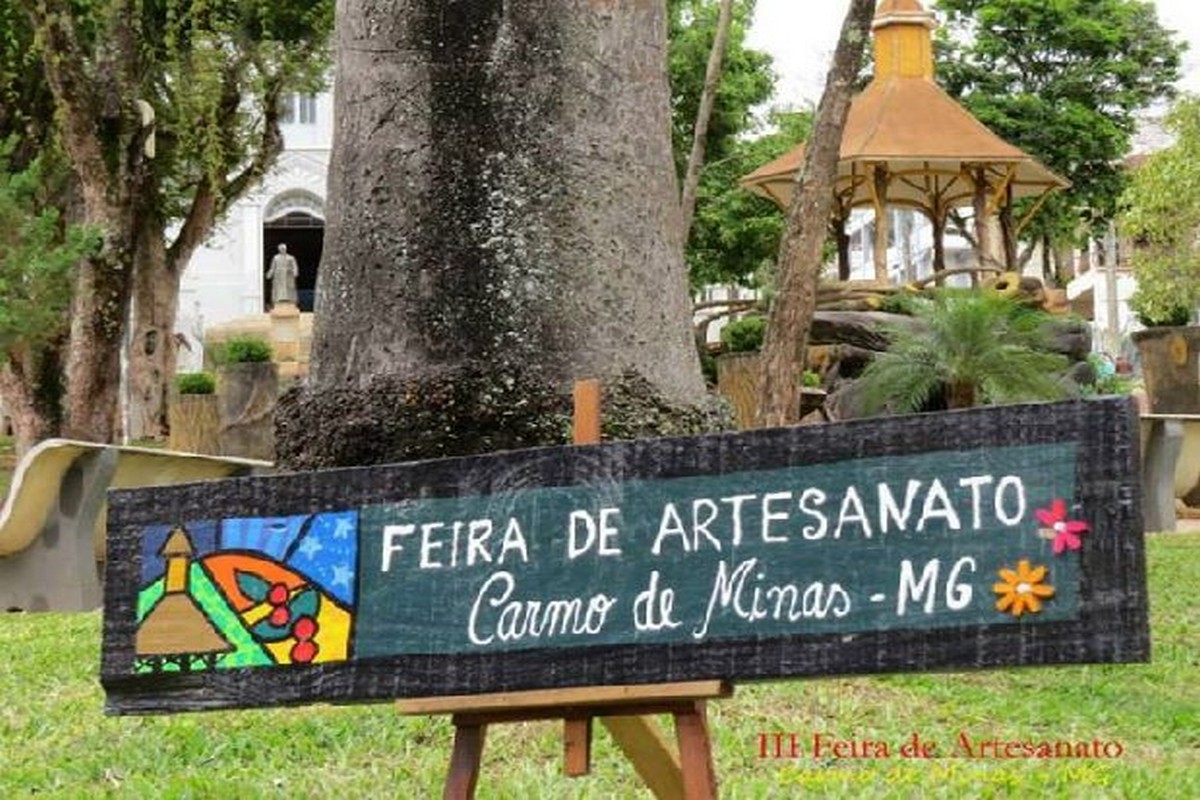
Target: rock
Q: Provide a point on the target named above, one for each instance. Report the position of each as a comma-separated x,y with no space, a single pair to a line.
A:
836,362
846,402
865,329
1071,338
1079,375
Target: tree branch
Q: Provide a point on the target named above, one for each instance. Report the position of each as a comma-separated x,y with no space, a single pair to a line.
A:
76,94
210,201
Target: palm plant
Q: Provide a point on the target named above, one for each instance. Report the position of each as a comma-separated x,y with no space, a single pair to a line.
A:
975,347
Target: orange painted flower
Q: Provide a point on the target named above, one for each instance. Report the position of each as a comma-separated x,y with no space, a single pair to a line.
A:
1022,590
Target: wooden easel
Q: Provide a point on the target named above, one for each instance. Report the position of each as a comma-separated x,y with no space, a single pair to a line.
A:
623,710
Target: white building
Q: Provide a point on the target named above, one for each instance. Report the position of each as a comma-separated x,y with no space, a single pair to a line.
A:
226,278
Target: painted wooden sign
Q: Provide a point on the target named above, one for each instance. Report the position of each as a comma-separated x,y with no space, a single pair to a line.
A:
989,537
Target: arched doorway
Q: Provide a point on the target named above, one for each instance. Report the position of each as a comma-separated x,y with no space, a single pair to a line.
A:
297,220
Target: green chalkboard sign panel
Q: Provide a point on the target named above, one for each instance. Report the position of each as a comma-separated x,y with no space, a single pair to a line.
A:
969,539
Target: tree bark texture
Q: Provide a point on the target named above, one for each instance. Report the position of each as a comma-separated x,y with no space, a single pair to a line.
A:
804,236
503,219
29,386
93,368
104,141
712,81
152,344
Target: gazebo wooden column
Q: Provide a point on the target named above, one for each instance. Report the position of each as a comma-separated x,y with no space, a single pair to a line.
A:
983,234
938,221
879,195
837,227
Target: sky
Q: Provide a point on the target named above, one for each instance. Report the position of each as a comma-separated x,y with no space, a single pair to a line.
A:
801,35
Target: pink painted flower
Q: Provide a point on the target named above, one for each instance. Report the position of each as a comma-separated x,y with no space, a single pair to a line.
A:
1065,531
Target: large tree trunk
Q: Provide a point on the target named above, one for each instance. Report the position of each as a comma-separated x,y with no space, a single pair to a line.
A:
503,218
800,251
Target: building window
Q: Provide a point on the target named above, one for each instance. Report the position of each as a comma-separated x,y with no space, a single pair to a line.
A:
298,108
308,109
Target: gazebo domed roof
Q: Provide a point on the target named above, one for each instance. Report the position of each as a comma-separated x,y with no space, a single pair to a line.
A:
931,148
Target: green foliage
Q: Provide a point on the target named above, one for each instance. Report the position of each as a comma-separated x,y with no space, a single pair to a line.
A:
973,347
221,70
903,303
734,232
735,235
196,383
1108,380
708,365
1064,81
744,335
244,350
1161,214
746,76
37,252
213,73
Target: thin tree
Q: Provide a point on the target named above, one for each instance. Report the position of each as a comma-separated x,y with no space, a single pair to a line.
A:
712,82
800,251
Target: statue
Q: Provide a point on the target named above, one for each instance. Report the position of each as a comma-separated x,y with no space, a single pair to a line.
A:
282,276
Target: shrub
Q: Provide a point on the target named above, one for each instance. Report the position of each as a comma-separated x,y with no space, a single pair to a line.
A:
1161,213
744,335
903,303
1157,316
974,347
244,350
195,383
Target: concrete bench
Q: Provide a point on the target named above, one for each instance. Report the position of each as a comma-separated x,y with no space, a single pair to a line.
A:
1170,466
52,523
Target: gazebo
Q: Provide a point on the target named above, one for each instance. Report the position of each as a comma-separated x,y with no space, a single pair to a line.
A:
908,143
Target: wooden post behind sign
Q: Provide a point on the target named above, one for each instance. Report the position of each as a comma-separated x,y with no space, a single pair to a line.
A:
624,710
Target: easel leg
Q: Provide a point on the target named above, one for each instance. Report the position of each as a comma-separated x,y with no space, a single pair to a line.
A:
650,753
695,753
577,746
464,761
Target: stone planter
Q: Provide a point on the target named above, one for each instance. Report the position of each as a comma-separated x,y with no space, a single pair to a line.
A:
247,394
194,421
1171,368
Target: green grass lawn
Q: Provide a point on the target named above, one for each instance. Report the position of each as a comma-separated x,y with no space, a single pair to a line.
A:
56,742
